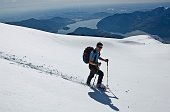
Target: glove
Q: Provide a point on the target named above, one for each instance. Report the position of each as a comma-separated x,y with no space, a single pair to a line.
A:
106,60
99,64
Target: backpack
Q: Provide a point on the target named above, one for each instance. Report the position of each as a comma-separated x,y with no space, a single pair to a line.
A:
86,54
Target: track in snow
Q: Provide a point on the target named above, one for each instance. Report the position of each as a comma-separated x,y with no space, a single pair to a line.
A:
43,68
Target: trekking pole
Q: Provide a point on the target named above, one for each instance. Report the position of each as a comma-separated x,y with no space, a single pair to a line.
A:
108,82
94,79
107,77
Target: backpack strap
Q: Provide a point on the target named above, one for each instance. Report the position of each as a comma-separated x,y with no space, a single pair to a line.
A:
95,55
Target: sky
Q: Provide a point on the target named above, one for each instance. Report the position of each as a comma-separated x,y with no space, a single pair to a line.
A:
19,5
9,7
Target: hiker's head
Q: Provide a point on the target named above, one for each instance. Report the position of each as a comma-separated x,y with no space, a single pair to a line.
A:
99,46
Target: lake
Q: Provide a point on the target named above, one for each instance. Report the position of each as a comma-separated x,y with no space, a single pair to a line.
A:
88,23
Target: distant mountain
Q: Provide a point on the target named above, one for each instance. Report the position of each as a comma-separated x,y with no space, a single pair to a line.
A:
83,31
49,25
88,16
155,22
99,15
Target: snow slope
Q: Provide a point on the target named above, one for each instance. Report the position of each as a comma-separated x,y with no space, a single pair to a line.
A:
33,64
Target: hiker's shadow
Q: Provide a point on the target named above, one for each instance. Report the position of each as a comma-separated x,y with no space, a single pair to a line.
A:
102,97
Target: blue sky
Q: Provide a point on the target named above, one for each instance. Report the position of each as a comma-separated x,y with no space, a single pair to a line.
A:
12,6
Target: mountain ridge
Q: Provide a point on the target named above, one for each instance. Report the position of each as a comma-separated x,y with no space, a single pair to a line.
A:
50,25
155,22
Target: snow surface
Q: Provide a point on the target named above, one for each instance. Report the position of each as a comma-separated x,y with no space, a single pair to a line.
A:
34,65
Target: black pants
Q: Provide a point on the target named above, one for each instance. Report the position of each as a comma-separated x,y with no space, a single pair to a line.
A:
94,70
